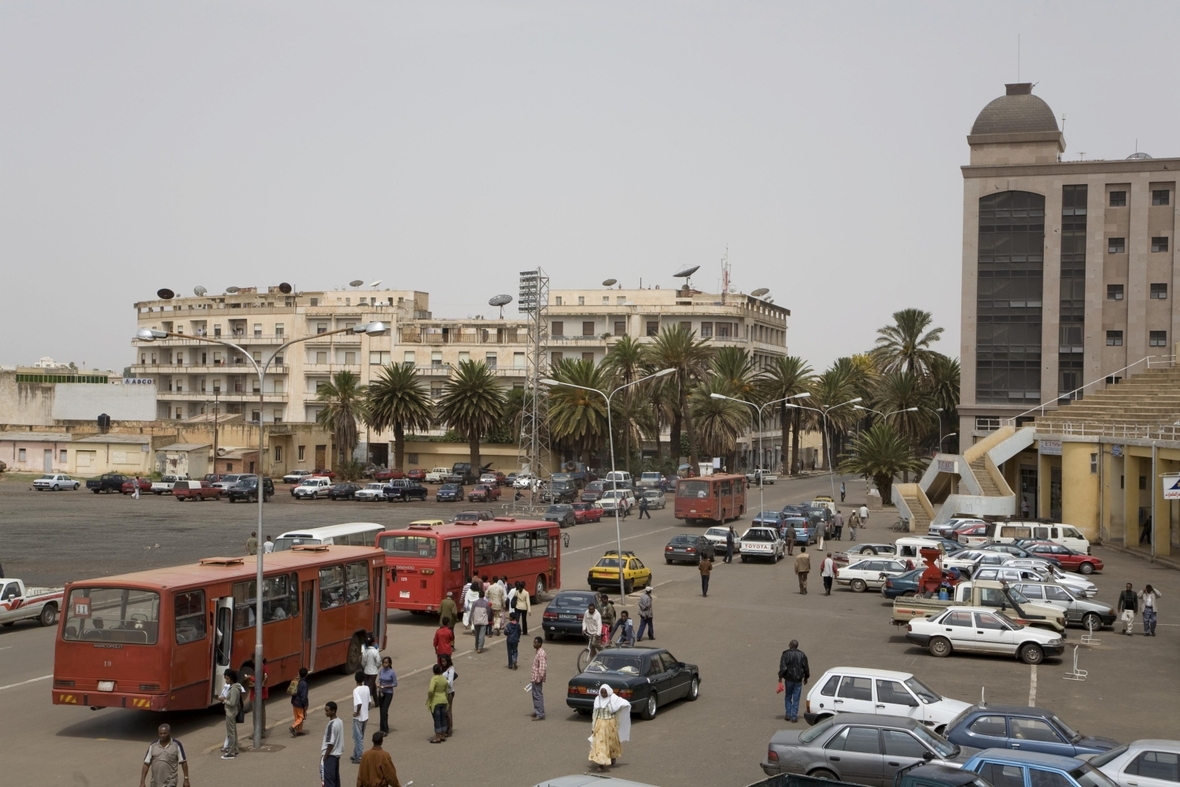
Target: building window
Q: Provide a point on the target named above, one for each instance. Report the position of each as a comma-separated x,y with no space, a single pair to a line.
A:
557,300
315,301
1114,292
1094,464
706,330
278,329
302,450
556,358
1160,197
490,359
588,328
257,330
1112,380
1143,482
1118,199
62,459
378,358
1157,339
254,415
412,458
278,448
1114,338
1159,244
581,300
1159,292
1116,246
620,328
21,455
408,358
723,330
518,361
321,357
350,358
588,357
985,423
653,327
464,355
436,358
605,300
321,327
558,328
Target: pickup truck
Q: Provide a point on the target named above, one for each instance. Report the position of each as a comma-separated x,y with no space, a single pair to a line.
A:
768,478
18,603
165,484
920,775
982,594
108,482
195,490
438,475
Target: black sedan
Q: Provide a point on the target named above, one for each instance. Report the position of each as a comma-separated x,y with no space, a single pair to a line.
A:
404,492
564,614
563,514
343,491
645,677
449,493
687,548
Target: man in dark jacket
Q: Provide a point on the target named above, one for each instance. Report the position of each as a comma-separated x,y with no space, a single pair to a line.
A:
794,674
1128,606
730,537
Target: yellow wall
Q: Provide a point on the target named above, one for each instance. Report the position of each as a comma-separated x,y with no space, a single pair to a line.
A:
1079,488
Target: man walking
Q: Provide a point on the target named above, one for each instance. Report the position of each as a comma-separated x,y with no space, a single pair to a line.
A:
377,766
252,543
730,538
1128,606
449,611
332,749
706,568
537,680
444,640
495,596
164,757
790,539
838,526
299,704
360,717
643,505
512,638
864,516
135,488
371,665
853,524
268,545
646,616
794,673
841,491
481,617
827,570
802,568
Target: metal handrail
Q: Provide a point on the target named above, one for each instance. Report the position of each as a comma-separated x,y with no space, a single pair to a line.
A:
1090,429
1150,362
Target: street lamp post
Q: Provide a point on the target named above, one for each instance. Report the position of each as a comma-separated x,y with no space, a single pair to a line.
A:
824,413
886,415
941,439
610,435
759,409
151,335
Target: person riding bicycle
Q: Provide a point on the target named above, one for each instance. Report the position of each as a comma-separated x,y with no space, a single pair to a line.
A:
626,630
592,627
608,614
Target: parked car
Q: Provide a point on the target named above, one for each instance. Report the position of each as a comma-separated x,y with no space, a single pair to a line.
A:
645,677
473,516
489,478
1015,573
144,484
563,615
764,543
449,493
587,512
417,474
1009,549
1143,763
868,548
1003,768
18,603
593,491
687,548
623,499
107,482
404,490
882,693
650,479
1091,615
1066,535
165,484
370,493
947,529
311,488
655,498
195,490
872,749
228,480
957,630
324,473
295,476
559,491
247,490
562,513
806,530
1068,559
525,481
387,474
718,537
438,475
871,573
344,491
1022,727
484,493
605,573
773,519
57,482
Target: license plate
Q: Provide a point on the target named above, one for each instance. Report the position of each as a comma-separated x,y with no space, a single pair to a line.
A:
404,594
106,685
567,617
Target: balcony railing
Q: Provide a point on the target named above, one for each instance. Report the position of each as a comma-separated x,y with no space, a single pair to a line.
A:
205,368
335,338
222,396
330,368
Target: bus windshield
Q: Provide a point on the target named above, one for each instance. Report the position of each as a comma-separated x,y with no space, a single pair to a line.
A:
688,488
113,615
410,546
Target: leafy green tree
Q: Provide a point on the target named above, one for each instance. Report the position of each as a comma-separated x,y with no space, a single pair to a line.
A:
737,369
398,401
832,388
787,376
905,345
943,385
344,405
720,422
881,453
472,404
578,418
625,357
677,347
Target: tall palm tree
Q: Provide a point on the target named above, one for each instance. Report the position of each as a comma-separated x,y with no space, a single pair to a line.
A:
906,343
881,453
833,387
578,418
677,347
720,421
735,366
472,404
787,376
899,391
625,357
344,404
397,400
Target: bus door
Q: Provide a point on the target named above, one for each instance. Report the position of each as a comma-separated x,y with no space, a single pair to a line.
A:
223,643
378,586
466,564
553,547
310,612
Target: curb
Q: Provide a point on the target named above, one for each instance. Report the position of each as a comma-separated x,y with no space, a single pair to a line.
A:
1166,562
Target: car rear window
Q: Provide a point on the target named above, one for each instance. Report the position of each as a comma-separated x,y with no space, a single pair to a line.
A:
608,562
623,665
574,601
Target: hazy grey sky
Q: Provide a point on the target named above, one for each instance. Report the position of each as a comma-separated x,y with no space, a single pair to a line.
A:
446,146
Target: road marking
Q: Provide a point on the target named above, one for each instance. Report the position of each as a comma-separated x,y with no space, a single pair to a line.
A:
25,682
615,542
9,647
1032,687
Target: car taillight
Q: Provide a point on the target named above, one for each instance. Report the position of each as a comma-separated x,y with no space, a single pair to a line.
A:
668,548
771,755
692,549
909,627
549,616
626,693
889,583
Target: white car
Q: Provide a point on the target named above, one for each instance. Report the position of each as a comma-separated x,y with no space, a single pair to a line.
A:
165,484
655,498
296,476
869,574
976,630
56,482
969,560
717,536
612,498
880,692
1010,573
311,488
438,475
1144,763
525,481
763,542
229,480
370,493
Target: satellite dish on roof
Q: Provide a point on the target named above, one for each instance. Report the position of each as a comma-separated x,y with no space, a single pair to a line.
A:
686,272
375,284
199,291
501,301
356,282
758,293
610,282
165,294
231,290
285,288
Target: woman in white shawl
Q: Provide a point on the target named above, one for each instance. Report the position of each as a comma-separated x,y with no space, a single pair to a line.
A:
612,726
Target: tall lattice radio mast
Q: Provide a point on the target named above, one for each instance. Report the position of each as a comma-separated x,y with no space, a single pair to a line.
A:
533,301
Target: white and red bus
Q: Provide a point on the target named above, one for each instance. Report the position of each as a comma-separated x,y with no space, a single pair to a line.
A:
160,640
711,498
428,558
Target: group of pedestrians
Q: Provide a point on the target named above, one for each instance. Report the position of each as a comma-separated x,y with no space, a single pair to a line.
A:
1146,601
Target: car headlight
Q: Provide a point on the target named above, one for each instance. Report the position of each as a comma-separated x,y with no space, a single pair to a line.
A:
1055,641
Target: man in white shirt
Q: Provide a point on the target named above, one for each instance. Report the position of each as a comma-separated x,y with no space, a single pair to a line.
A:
360,716
864,516
332,749
592,626
495,596
371,664
827,570
268,545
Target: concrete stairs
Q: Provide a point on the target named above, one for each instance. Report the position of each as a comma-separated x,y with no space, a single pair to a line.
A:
913,504
986,485
1150,398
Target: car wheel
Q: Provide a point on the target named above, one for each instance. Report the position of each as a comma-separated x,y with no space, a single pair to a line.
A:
744,559
668,560
628,586
1084,568
1091,621
940,647
694,689
859,585
75,487
1031,653
56,488
48,615
651,707
549,635
821,773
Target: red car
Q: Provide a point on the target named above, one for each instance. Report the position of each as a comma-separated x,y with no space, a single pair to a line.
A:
587,512
501,479
962,531
145,485
195,490
417,474
388,473
325,473
484,493
1070,559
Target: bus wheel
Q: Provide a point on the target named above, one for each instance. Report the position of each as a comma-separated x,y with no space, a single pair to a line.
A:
539,588
353,662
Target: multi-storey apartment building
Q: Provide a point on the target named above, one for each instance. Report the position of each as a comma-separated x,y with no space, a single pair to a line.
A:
1069,268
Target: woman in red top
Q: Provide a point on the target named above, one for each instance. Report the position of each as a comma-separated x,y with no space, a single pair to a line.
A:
444,640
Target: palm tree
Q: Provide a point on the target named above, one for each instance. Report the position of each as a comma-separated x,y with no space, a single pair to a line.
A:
676,347
899,391
943,390
881,453
344,404
720,421
625,357
906,343
397,401
735,366
472,404
833,387
787,376
578,418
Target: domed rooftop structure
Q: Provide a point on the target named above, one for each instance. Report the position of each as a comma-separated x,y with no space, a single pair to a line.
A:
1016,112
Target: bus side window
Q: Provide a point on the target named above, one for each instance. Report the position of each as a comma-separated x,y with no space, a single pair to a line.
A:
456,552
358,582
190,616
331,586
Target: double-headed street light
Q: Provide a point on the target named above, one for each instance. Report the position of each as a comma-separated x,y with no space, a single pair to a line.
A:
886,415
760,473
610,434
824,412
151,335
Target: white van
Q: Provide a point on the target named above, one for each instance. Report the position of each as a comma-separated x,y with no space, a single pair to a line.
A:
911,546
1066,535
620,477
859,690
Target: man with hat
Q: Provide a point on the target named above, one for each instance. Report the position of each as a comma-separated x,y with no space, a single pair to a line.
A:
646,620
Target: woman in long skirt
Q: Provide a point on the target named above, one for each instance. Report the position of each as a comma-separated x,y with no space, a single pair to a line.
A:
612,726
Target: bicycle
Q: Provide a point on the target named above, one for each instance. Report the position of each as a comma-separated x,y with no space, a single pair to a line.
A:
902,525
592,649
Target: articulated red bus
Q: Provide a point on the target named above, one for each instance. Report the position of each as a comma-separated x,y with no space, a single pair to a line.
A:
711,498
160,640
428,558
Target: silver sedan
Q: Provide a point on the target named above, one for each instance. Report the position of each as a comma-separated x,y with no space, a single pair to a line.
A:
1144,763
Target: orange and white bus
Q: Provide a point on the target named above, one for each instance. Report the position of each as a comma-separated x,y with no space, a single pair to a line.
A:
426,559
711,498
161,639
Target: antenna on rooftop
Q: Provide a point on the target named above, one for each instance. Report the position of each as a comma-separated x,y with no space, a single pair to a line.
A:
356,282
199,291
501,301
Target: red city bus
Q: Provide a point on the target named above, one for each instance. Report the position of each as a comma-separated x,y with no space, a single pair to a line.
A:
712,498
160,640
426,559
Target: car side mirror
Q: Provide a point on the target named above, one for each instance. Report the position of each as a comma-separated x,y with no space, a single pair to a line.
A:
928,756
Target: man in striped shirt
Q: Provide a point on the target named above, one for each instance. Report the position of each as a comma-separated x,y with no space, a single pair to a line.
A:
538,680
163,759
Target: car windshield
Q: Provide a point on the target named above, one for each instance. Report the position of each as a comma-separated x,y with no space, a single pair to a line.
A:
1070,732
935,741
924,692
759,535
1017,596
811,733
555,510
607,562
1088,776
621,665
